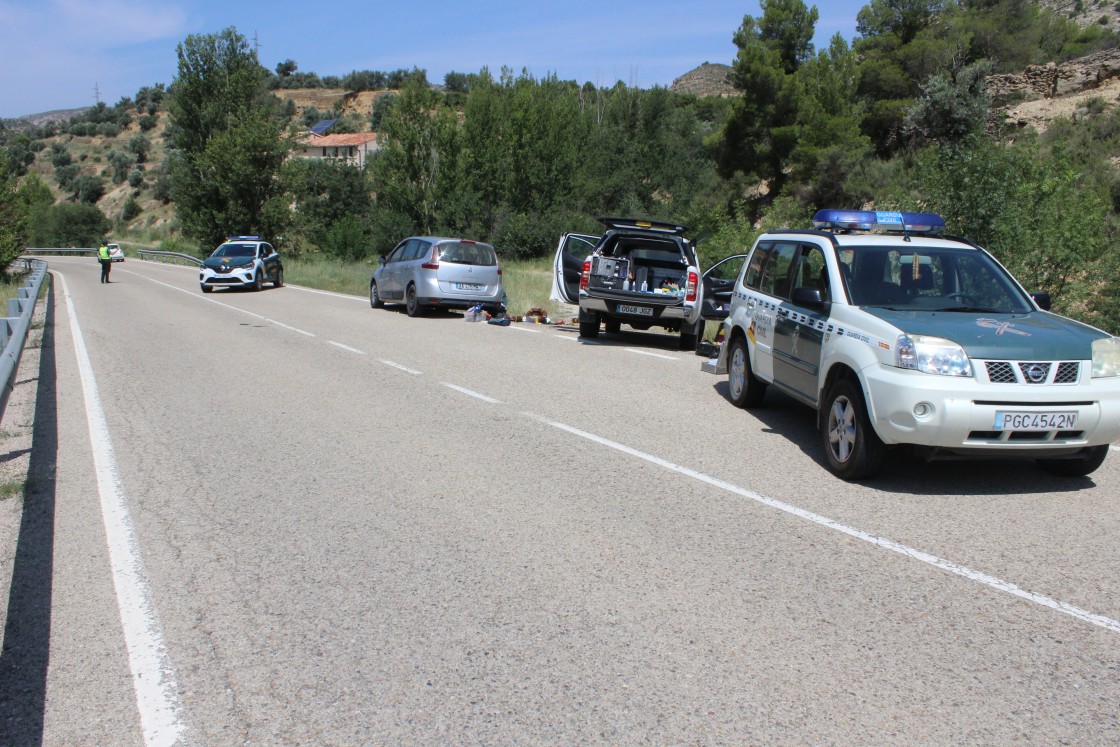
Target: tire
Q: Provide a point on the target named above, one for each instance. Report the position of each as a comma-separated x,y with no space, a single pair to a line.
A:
746,389
852,446
1079,466
206,288
588,324
258,282
613,326
412,303
375,301
279,281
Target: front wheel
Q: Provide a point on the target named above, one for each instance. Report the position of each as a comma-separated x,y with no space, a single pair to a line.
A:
279,281
206,288
258,281
746,388
375,301
1086,462
852,446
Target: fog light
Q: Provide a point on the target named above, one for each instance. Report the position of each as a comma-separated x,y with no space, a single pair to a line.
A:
923,410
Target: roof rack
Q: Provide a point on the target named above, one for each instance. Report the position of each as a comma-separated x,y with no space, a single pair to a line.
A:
878,220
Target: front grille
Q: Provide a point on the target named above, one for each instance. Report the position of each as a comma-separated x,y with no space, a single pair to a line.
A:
1033,372
992,437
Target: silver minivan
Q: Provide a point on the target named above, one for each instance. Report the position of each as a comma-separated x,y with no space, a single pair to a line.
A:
426,272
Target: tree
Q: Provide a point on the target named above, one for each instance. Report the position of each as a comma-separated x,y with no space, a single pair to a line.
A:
409,166
87,189
228,141
13,217
760,134
951,109
286,68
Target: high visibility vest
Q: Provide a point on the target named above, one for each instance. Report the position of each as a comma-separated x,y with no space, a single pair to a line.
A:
103,252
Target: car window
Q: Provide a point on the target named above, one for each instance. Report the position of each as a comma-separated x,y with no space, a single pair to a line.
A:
810,271
236,250
930,278
417,248
726,269
459,253
776,272
757,261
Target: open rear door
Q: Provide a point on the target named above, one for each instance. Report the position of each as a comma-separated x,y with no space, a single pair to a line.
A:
574,248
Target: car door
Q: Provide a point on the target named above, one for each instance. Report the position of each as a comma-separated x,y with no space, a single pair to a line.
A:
388,280
568,265
719,284
799,324
270,260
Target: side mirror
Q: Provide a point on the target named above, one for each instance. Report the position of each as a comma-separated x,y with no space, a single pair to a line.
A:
381,260
1042,298
809,298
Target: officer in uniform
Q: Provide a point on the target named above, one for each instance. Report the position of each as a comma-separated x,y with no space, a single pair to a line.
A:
105,260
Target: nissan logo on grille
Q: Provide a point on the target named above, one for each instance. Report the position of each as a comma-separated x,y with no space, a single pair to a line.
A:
1036,373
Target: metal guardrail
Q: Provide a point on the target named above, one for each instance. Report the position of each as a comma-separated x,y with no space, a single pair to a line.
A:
14,328
70,250
169,255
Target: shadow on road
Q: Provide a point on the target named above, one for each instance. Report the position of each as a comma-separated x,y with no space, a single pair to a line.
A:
26,652
905,471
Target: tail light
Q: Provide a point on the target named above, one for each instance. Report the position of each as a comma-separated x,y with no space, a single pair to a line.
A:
433,261
690,289
585,276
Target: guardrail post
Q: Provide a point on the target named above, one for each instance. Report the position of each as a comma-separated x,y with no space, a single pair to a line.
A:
7,327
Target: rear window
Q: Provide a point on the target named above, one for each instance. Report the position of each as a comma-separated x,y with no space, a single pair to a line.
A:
459,253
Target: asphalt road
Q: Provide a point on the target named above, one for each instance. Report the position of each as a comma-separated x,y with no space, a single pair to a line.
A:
285,518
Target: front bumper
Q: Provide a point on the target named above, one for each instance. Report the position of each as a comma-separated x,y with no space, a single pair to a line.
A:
237,277
958,414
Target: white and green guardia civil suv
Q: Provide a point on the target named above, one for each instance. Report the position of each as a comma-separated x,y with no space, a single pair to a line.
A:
899,335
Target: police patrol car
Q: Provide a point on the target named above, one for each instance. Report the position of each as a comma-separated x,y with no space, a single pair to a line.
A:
898,335
242,261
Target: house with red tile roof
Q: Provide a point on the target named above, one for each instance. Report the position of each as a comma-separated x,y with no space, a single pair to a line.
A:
351,148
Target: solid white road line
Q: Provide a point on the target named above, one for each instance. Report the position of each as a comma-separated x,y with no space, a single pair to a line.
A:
226,305
152,676
471,393
398,366
652,355
946,565
523,328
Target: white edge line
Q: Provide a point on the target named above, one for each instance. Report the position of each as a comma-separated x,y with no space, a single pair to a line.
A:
400,367
525,329
153,679
1114,447
471,393
652,355
566,337
346,296
946,565
226,305
346,347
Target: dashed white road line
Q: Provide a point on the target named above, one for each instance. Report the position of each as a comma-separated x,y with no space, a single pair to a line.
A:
153,680
346,347
401,367
472,393
946,565
226,305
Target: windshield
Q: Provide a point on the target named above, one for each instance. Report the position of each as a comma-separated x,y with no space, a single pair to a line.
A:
929,278
458,253
235,250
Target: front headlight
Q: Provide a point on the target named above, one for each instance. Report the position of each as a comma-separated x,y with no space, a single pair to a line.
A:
1106,357
933,355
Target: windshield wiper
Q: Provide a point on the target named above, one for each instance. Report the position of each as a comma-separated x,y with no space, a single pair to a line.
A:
973,309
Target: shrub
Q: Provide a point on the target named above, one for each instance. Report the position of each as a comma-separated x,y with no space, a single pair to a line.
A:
130,210
87,189
136,179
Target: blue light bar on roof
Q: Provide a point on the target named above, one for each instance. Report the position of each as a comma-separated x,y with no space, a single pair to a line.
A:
243,238
882,220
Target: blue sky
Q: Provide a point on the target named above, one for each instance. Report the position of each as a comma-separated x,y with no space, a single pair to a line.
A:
60,54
